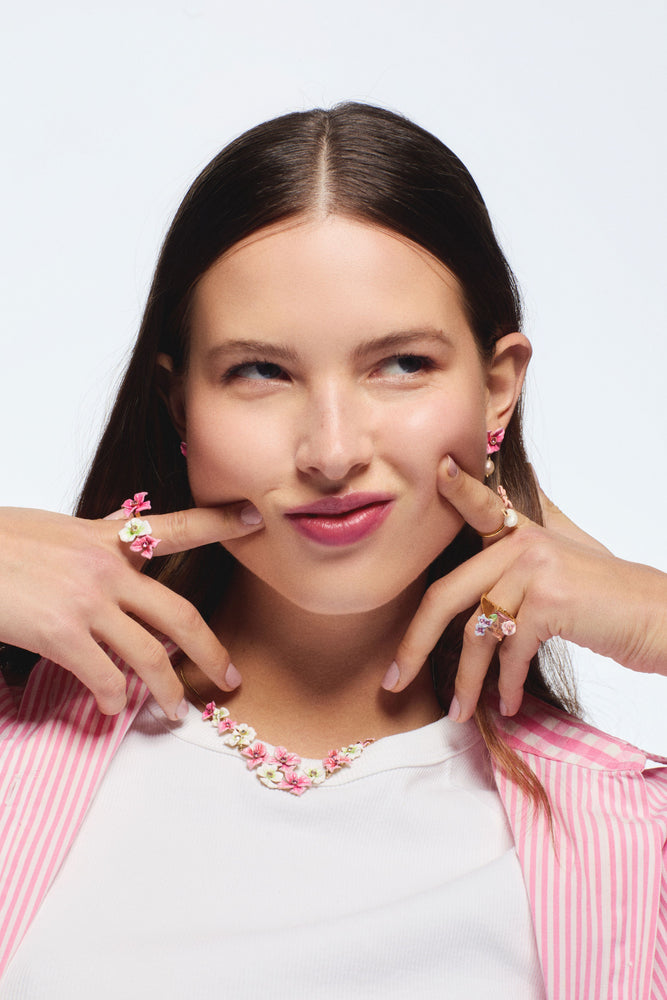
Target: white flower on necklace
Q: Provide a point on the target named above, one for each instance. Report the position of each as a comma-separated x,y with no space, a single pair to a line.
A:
270,775
316,773
241,736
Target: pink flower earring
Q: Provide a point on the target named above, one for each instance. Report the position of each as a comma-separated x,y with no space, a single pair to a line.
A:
494,439
184,449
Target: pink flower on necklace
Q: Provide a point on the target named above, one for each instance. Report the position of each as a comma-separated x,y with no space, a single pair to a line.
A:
256,754
135,506
334,760
284,759
295,782
278,768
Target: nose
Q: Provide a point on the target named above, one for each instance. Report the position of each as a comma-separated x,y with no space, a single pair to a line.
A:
335,439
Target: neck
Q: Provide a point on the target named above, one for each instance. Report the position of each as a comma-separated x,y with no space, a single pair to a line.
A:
312,682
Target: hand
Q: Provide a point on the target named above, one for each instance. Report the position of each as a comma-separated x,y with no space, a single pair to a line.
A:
67,584
556,580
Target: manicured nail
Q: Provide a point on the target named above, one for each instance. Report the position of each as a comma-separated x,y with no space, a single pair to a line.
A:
250,515
454,709
452,468
392,677
182,710
232,677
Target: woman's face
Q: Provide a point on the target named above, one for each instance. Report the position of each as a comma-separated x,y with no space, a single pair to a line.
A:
332,361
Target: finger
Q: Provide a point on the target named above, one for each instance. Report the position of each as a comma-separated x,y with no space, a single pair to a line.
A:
476,503
116,515
444,599
476,655
479,645
146,655
172,615
87,661
188,529
516,653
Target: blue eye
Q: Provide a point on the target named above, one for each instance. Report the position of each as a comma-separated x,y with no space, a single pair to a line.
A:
256,371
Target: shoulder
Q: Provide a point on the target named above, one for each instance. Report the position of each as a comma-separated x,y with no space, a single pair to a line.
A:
557,747
543,731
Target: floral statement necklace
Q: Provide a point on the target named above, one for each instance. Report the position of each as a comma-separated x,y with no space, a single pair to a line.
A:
275,767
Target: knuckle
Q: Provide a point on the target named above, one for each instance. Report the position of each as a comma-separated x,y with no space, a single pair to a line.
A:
432,600
153,656
409,651
186,618
109,690
178,526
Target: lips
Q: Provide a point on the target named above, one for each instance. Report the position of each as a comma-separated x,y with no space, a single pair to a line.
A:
341,520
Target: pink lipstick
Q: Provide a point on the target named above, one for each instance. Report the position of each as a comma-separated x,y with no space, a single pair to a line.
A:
341,520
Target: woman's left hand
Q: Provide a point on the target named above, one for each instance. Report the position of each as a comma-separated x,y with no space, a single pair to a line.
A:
554,580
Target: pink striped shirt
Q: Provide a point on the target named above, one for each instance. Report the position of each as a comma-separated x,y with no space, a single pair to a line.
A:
597,889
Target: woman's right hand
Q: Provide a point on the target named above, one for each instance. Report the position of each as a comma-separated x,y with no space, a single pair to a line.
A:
68,584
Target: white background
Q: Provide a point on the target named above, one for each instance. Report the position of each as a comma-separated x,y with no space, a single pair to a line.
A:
557,109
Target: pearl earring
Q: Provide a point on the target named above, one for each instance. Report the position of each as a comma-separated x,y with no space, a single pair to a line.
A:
494,439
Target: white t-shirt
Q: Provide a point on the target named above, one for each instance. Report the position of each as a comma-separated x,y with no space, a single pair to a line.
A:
395,879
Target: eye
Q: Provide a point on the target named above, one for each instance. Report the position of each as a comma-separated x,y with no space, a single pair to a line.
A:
406,364
257,371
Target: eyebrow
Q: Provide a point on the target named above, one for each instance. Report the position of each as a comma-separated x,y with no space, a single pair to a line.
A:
261,347
402,339
281,352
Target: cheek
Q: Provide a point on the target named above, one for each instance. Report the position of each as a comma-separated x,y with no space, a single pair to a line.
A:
446,425
231,457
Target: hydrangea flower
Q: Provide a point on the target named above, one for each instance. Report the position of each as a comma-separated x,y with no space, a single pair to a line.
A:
135,506
241,735
256,754
483,623
285,759
316,773
333,761
270,774
295,782
145,545
494,439
136,527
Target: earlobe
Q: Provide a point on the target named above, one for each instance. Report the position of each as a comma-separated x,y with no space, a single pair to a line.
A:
505,378
170,387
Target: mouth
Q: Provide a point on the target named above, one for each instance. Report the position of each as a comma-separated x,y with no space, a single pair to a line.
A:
341,520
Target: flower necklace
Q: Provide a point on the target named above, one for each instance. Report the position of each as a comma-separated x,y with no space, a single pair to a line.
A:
275,767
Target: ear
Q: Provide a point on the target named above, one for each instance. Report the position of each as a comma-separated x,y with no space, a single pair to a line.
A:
170,387
505,377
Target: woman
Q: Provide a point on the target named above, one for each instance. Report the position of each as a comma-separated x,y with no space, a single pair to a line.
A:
330,365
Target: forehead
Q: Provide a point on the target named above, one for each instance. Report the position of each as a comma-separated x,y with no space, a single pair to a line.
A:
331,276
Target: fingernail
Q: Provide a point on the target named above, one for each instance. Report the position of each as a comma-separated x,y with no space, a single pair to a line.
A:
452,468
232,677
454,709
182,710
392,677
250,515
503,708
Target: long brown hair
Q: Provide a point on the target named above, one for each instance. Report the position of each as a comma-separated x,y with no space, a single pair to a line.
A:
355,160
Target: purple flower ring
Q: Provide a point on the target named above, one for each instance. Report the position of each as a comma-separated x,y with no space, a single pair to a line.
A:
497,620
